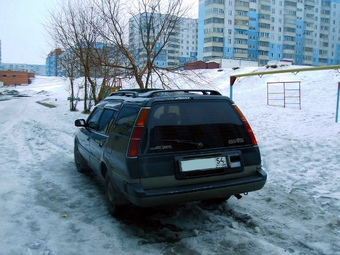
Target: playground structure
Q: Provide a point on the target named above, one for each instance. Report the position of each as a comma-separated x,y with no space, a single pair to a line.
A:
294,71
284,93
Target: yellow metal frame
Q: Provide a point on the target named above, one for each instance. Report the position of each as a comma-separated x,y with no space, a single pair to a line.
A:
291,70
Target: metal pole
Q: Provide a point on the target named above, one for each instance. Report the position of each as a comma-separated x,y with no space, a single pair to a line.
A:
337,104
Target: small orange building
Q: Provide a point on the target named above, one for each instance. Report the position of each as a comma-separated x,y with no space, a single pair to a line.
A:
15,77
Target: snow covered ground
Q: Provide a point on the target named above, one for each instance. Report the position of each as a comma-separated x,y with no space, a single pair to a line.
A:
49,208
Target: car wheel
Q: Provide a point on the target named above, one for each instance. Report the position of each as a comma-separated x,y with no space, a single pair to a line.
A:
80,162
111,197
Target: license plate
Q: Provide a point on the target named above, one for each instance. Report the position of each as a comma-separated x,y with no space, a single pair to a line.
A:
203,164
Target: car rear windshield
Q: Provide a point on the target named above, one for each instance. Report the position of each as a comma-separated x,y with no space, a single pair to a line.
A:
193,125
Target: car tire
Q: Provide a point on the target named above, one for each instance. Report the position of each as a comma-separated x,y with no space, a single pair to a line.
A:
81,164
112,197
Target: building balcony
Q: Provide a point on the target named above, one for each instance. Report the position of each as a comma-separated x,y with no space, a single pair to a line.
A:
213,34
263,48
289,16
310,45
240,55
289,25
323,38
241,8
327,8
310,2
215,15
210,54
309,28
265,21
240,36
309,18
264,39
309,36
240,17
309,11
307,62
265,30
263,57
213,44
288,51
291,34
241,46
291,43
290,8
244,27
325,48
308,53
323,56
265,12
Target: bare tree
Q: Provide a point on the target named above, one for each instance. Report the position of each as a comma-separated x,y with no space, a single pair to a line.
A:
157,24
70,64
96,33
71,27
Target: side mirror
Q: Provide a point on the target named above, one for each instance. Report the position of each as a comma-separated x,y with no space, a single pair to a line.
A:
79,123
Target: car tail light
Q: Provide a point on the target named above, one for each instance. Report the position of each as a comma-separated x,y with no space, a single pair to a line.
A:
246,124
137,132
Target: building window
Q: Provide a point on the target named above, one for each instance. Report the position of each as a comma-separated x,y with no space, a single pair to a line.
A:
4,76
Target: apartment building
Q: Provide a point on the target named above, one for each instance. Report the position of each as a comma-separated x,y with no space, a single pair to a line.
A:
180,48
36,69
53,67
188,41
304,31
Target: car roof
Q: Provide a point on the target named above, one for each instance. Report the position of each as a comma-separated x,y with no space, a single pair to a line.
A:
148,96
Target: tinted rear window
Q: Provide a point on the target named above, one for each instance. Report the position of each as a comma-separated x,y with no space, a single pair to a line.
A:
194,125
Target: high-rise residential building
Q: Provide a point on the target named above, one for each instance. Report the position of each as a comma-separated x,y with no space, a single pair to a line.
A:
188,41
304,31
53,67
180,48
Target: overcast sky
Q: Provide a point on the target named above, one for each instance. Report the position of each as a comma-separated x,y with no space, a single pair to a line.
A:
22,32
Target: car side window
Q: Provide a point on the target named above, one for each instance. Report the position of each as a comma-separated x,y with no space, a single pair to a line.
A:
106,120
93,120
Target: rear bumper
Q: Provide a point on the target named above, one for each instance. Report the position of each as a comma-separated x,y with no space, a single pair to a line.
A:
146,198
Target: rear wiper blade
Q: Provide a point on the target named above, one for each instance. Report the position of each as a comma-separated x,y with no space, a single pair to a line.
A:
198,144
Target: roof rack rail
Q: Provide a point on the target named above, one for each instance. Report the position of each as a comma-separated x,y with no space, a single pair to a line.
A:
133,92
174,91
161,92
125,93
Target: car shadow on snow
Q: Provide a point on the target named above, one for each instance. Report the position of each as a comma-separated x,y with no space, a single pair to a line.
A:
150,224
169,224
